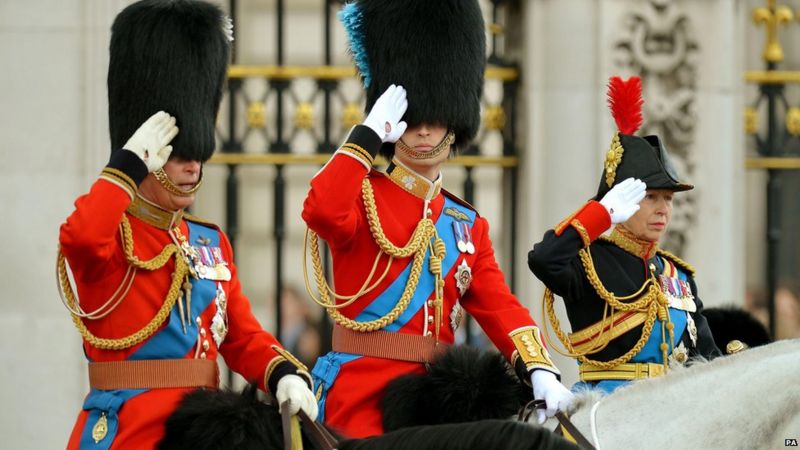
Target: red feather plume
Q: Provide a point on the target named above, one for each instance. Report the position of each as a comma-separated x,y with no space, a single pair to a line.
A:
625,101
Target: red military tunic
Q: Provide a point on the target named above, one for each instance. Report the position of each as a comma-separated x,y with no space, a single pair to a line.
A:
221,324
348,385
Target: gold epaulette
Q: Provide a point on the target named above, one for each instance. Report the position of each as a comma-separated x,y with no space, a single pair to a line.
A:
195,219
459,200
678,262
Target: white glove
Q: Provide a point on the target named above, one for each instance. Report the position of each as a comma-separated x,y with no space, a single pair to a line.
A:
622,201
293,389
150,141
384,118
547,387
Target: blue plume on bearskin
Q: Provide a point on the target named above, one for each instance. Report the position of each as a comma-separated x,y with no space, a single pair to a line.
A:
435,49
353,21
461,385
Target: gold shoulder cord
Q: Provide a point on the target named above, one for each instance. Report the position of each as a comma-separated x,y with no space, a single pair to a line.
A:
417,246
69,298
648,299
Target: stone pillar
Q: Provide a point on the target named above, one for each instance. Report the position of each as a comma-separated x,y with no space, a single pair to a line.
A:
686,53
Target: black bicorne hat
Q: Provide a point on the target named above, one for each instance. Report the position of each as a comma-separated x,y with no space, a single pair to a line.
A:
168,55
435,49
646,157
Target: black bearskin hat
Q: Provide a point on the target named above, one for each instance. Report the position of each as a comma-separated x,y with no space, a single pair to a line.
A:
436,50
633,156
169,55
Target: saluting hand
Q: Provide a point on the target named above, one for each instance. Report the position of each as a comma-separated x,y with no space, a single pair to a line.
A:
149,142
622,201
384,118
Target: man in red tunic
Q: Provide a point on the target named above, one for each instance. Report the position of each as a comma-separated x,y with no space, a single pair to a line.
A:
408,255
158,297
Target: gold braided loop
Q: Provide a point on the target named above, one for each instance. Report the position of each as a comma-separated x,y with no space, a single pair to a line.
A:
391,316
610,298
178,275
417,246
419,239
646,331
312,240
153,263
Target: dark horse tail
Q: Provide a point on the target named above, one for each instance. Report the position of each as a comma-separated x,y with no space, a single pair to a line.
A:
465,401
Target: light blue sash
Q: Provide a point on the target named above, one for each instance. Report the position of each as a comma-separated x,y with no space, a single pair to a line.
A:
168,343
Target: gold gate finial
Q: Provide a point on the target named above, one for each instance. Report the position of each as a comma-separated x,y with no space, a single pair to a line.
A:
772,16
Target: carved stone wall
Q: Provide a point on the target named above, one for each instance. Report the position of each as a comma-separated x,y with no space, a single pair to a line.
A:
659,44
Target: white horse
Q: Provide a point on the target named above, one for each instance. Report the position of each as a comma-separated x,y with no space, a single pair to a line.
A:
750,400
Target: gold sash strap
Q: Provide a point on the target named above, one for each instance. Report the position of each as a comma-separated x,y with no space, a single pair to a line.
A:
598,335
387,345
627,371
154,374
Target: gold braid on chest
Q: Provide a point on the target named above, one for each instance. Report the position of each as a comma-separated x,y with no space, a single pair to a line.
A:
134,263
649,301
423,238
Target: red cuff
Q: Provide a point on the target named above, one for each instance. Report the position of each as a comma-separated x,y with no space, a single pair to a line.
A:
590,222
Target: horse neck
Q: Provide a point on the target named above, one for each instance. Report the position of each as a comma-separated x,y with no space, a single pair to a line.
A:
740,401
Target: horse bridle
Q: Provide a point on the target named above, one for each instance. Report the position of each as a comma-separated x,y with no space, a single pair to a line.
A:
323,438
327,441
566,424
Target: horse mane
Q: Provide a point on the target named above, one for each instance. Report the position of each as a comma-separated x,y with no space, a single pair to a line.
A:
216,420
462,384
485,434
693,406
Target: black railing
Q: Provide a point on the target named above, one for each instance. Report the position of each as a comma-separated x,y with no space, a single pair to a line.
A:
776,143
340,109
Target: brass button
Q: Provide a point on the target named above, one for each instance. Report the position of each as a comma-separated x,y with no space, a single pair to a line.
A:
428,213
199,321
652,267
430,319
430,303
203,332
429,333
205,345
203,355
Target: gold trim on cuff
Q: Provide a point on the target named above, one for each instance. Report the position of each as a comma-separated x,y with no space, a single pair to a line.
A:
121,179
273,363
529,346
290,357
357,151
